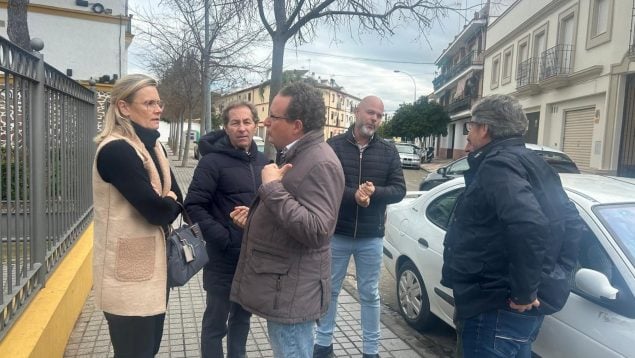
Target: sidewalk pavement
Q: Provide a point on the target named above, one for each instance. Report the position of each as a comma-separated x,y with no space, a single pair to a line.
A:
90,337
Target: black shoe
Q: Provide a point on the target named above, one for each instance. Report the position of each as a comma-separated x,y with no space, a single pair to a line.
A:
322,351
366,355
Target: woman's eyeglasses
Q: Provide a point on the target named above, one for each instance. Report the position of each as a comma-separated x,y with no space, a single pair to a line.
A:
152,104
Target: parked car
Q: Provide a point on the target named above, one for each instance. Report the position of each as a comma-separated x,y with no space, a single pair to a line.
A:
557,159
409,154
599,317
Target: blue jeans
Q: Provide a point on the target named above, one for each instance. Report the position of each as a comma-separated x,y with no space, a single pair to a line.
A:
499,334
291,340
368,255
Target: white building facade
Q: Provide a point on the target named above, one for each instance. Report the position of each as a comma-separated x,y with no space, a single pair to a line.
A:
571,64
90,39
459,83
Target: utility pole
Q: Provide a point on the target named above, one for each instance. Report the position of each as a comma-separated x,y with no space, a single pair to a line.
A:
206,116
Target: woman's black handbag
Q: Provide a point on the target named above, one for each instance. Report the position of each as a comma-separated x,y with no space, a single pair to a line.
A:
186,252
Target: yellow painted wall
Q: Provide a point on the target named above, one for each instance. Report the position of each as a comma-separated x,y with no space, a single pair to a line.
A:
45,326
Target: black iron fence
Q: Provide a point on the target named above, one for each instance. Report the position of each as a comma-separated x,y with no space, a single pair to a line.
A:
47,122
526,72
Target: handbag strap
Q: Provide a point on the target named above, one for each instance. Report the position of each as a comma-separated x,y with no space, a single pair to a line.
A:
184,215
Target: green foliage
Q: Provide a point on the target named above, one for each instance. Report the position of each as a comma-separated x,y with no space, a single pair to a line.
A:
421,119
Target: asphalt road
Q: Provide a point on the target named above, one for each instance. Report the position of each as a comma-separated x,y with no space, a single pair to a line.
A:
438,341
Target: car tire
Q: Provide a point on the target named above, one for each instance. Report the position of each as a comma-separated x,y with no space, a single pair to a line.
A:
412,297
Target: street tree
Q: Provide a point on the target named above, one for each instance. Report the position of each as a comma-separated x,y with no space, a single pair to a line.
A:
299,20
17,24
423,119
224,56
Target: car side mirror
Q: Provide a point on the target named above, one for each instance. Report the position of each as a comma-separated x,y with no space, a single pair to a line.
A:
595,284
442,171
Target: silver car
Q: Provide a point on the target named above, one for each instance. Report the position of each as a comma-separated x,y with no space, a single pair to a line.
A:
410,155
599,317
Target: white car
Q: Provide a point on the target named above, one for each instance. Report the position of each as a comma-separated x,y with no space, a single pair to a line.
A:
599,317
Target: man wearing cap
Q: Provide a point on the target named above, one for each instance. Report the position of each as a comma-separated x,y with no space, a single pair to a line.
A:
511,246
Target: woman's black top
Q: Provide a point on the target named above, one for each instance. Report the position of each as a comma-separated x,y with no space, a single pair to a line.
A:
119,165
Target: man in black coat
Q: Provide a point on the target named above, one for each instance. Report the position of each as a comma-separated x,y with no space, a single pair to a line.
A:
374,179
227,176
512,244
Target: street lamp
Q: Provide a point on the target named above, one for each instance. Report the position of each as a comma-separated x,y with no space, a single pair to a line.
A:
413,82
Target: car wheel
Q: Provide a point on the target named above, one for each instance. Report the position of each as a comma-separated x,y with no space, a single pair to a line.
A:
412,297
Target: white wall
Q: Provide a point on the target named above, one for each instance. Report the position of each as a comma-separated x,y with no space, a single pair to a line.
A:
117,6
90,48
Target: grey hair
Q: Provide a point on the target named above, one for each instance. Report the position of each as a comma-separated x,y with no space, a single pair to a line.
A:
503,115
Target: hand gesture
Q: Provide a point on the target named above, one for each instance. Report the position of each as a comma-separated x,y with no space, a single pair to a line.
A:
362,199
239,216
367,188
272,172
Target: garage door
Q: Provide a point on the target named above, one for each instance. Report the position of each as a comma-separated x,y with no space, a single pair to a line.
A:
578,135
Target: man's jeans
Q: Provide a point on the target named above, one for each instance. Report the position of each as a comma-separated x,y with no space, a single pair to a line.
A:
500,333
291,340
368,255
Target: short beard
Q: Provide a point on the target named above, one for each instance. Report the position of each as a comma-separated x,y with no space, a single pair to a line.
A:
366,132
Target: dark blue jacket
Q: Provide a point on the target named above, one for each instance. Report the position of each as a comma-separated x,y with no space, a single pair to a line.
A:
378,163
513,235
224,178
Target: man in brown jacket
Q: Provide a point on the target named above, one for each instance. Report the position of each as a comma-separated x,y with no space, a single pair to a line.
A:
284,269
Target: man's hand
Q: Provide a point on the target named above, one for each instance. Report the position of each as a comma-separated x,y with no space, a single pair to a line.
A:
271,172
362,199
171,194
523,308
367,188
239,216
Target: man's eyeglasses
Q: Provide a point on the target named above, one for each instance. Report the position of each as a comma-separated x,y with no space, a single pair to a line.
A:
152,104
272,116
469,126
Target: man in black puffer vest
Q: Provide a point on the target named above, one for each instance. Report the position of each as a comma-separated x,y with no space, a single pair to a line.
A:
374,179
227,176
511,246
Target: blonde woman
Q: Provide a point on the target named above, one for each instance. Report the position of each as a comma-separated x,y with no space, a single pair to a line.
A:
135,199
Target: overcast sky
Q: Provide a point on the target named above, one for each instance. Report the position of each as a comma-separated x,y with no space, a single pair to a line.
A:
347,59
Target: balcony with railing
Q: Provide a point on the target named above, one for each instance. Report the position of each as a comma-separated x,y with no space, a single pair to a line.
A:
472,58
556,61
551,70
459,104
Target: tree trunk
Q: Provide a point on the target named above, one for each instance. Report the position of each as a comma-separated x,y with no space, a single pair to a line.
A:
18,27
277,62
180,141
206,119
186,152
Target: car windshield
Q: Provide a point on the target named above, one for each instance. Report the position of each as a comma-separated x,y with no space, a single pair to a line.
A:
406,149
619,219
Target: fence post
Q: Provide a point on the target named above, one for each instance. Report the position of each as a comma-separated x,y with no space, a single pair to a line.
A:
38,167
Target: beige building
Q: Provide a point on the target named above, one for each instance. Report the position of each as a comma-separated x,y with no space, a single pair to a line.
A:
459,83
571,64
340,106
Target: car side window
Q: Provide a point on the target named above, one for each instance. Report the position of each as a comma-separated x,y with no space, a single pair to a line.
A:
440,210
459,167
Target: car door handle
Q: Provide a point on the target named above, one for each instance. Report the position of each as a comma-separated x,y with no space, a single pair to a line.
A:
423,243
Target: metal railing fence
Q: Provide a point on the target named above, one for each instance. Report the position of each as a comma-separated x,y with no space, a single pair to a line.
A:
47,122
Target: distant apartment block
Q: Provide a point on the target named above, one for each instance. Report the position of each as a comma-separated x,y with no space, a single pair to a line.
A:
340,106
459,83
572,65
82,39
